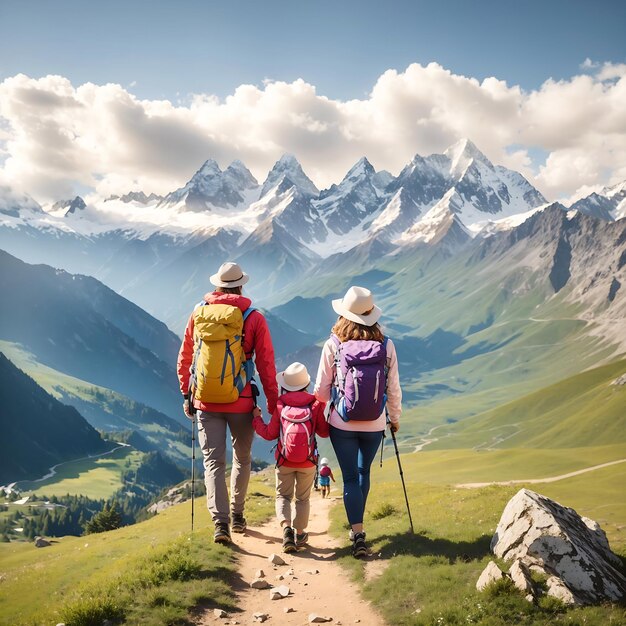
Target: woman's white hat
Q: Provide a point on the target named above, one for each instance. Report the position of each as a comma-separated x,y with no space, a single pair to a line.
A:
358,306
324,461
294,378
229,275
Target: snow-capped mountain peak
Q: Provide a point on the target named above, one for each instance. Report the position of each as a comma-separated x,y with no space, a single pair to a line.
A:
210,188
240,175
209,169
462,154
361,168
68,207
289,167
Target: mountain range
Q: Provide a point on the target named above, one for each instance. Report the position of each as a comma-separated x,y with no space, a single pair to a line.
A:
489,290
282,230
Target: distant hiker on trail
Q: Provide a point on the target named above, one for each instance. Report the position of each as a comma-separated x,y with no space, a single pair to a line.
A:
298,417
358,375
325,475
215,371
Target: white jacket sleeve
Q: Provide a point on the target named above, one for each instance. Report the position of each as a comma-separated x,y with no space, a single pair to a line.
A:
325,373
394,391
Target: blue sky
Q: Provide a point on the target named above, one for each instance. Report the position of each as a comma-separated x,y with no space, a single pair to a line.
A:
160,49
124,95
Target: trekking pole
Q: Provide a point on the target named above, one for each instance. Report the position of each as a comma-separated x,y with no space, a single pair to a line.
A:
406,498
382,445
193,465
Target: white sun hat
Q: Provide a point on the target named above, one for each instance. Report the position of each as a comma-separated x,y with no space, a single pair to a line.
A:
358,306
324,461
294,378
229,275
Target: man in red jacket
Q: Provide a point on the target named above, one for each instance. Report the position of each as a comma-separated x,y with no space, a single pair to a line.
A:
213,418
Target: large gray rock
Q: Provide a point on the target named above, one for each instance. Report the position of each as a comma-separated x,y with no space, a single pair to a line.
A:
572,551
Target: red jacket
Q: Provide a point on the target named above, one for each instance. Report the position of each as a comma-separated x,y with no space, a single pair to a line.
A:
293,398
257,341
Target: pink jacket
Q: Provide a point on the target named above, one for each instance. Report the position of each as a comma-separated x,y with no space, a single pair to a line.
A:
293,398
257,341
325,380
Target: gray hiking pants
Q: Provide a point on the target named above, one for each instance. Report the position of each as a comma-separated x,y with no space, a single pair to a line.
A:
290,482
212,440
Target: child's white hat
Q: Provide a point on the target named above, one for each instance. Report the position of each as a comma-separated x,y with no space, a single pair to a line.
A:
294,378
324,461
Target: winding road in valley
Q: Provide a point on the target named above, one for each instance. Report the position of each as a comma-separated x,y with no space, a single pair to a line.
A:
53,470
533,481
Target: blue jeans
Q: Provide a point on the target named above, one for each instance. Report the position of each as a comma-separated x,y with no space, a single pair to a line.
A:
355,452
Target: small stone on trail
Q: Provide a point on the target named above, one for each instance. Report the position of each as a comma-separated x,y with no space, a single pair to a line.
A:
289,609
260,617
290,572
280,577
530,597
259,583
314,618
269,541
279,592
275,559
259,574
220,613
312,571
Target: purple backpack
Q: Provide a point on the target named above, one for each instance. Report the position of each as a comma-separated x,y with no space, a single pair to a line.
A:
360,379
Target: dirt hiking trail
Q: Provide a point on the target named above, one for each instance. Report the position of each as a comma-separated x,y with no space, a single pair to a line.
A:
317,583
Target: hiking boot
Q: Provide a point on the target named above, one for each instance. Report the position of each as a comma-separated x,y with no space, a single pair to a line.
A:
351,535
302,538
239,523
289,543
221,534
359,547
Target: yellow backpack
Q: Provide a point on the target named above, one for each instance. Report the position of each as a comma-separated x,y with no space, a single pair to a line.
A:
219,371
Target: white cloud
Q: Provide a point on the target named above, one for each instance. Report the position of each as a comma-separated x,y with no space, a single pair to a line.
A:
57,136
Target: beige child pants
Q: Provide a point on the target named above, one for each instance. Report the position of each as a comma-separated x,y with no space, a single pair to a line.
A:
290,482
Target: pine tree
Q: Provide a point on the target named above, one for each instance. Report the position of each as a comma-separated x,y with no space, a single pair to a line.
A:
108,519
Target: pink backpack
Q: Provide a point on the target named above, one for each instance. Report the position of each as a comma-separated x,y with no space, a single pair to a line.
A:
325,471
296,436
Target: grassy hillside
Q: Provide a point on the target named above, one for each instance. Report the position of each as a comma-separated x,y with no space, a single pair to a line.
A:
149,573
583,410
103,408
429,578
37,430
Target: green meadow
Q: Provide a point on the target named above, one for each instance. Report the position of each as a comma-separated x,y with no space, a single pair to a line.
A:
95,478
429,577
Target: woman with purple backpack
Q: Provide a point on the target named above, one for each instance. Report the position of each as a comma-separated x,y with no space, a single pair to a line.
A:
358,376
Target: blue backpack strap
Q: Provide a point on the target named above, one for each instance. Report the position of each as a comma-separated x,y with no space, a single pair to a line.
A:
247,312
